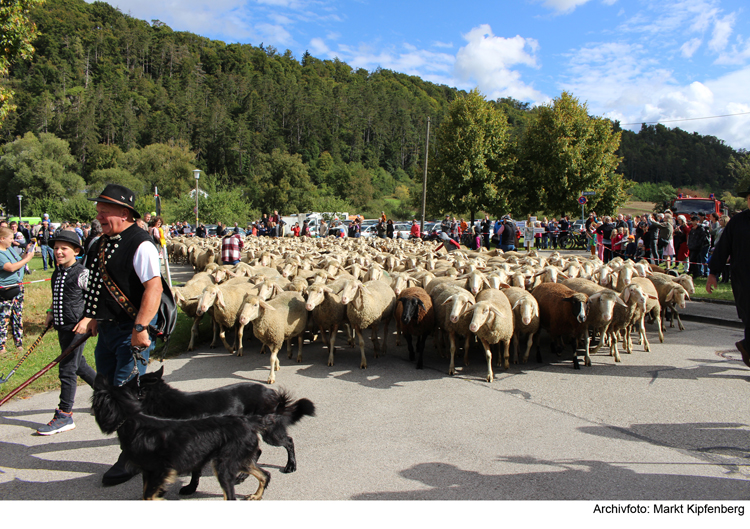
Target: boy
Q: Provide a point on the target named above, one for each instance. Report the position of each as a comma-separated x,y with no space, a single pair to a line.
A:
68,283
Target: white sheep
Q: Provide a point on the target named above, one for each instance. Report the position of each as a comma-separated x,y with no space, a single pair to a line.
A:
492,323
274,322
372,304
525,320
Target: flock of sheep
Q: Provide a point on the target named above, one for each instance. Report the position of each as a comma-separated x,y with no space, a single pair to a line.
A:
295,287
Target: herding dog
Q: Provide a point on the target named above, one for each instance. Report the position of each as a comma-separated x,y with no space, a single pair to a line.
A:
164,448
162,400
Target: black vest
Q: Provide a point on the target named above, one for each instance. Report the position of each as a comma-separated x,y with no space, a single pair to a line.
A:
67,295
119,251
509,233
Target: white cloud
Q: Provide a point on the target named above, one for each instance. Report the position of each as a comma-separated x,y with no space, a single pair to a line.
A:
319,48
722,31
487,60
690,47
564,6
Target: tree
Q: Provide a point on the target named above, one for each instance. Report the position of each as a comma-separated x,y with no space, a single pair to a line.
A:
564,151
474,161
38,168
16,34
739,169
280,181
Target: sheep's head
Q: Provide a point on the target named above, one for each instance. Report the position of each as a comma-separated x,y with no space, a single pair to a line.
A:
251,308
315,295
484,313
207,299
349,291
411,308
460,303
526,310
633,294
579,306
678,295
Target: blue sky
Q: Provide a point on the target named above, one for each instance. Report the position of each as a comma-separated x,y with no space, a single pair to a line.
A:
631,60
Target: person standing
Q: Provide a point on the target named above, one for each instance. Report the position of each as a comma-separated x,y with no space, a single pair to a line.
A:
44,235
734,243
129,259
11,292
389,229
486,225
698,241
231,249
69,280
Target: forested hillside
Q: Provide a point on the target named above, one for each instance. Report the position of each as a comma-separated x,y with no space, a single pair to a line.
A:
142,104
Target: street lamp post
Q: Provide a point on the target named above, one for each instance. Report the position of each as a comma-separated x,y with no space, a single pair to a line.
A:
197,174
19,209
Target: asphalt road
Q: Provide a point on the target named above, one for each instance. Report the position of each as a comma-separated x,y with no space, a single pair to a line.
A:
671,424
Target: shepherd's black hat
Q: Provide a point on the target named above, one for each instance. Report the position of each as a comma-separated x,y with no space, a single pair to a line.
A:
120,195
69,237
744,193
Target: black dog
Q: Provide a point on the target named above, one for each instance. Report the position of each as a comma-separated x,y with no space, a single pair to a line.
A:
162,400
164,448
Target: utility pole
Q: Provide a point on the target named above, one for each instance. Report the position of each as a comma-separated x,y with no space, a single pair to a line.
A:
424,179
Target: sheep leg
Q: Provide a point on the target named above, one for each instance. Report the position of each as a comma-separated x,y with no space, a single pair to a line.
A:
506,353
299,348
410,346
386,324
351,334
488,357
216,335
274,362
374,338
223,336
421,341
194,332
466,349
324,335
602,337
240,334
452,367
659,326
331,345
529,343
679,321
363,360
587,357
613,351
398,336
642,331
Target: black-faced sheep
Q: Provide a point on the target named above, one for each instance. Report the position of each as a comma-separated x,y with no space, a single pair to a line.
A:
562,313
415,317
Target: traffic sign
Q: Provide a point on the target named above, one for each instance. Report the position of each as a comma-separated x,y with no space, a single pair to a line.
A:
582,200
589,193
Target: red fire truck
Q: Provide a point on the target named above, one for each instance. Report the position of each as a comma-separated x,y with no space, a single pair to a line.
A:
687,204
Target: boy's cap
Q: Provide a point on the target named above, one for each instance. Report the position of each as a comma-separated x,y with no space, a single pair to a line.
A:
69,237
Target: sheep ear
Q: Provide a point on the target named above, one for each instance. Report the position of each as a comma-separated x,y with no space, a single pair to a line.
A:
670,295
620,301
327,289
560,274
421,304
505,285
220,299
517,303
652,297
449,300
497,312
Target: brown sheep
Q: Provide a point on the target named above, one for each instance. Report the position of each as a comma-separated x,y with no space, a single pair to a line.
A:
415,317
562,313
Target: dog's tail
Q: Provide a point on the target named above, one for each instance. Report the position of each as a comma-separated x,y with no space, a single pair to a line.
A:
293,411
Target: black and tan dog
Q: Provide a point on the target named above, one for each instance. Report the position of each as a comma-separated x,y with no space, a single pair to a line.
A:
161,448
162,400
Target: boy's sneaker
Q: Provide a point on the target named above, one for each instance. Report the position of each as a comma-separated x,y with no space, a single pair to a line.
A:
61,422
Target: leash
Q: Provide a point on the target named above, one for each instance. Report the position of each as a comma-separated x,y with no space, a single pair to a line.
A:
3,380
26,283
46,368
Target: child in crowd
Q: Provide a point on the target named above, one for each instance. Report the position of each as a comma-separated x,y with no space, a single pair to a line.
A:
69,280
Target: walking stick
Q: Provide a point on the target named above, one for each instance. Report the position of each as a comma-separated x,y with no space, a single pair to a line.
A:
46,368
3,380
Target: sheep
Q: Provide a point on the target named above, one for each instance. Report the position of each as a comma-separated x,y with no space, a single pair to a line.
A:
653,307
328,312
562,313
204,258
275,321
525,320
226,300
371,304
451,315
187,299
492,323
413,322
635,300
671,295
600,308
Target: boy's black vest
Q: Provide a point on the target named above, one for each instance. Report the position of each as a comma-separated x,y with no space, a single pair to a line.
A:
508,236
67,296
118,259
